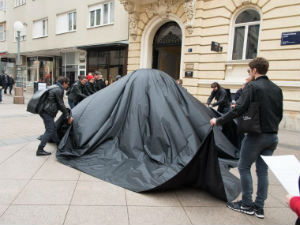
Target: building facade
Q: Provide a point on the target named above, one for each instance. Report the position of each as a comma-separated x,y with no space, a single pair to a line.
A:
203,41
69,38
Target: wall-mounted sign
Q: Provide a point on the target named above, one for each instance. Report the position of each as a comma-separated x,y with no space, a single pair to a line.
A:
216,47
189,74
290,38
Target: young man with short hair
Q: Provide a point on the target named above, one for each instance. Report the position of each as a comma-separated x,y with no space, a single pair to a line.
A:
269,97
51,106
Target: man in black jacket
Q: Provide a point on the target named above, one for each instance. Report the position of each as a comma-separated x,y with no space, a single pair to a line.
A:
90,85
5,82
220,94
99,82
11,83
53,103
269,97
77,92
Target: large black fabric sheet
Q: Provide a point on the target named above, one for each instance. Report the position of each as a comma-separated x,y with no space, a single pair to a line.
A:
144,133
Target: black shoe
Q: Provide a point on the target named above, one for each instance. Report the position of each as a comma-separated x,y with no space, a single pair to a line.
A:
42,153
239,207
259,212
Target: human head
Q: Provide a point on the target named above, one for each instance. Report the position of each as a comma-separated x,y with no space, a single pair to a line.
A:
179,81
64,81
97,75
82,79
215,86
258,66
90,78
106,83
118,77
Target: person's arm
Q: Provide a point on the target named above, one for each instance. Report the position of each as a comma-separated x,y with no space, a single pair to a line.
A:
241,107
78,92
221,99
211,97
61,104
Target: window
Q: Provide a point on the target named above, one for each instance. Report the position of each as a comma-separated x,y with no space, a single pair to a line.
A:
2,5
65,22
19,2
246,34
2,32
40,28
101,14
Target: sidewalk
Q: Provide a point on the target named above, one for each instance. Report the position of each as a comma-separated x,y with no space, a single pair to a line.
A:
39,190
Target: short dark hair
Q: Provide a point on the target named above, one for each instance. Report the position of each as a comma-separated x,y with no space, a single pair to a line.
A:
62,80
260,64
214,84
81,77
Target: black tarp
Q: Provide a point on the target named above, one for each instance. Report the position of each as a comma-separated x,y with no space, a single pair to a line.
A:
144,133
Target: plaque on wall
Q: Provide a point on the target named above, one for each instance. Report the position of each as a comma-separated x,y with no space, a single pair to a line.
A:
290,38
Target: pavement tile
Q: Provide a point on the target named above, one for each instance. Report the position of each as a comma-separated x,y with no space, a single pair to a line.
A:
7,151
98,193
2,209
276,216
47,192
157,215
88,215
216,216
87,177
54,170
22,165
9,189
34,215
196,197
152,199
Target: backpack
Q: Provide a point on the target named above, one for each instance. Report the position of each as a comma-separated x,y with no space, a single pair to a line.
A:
36,103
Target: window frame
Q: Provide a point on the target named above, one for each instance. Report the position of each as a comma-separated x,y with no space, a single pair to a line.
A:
234,25
73,18
45,26
18,3
3,32
95,8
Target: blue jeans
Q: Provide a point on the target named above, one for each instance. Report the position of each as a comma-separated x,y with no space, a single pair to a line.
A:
0,94
253,146
50,133
71,104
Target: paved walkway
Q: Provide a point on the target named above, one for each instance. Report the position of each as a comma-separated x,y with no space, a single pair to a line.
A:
39,190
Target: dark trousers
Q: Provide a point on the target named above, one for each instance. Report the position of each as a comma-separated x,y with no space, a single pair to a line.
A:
0,94
71,103
253,146
5,88
50,133
10,88
223,108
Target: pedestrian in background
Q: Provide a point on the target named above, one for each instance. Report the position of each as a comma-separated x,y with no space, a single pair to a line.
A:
51,106
77,92
99,82
5,82
221,96
1,86
90,87
11,83
269,97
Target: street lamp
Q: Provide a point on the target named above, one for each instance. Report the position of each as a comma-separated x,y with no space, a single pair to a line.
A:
18,98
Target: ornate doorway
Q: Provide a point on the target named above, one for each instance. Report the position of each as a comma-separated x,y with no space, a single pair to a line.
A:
167,49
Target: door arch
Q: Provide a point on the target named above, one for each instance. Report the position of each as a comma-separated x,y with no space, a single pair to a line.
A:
167,49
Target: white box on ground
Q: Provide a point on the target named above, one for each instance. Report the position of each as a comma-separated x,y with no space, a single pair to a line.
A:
287,170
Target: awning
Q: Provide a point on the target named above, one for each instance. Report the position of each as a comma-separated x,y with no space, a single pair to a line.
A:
116,44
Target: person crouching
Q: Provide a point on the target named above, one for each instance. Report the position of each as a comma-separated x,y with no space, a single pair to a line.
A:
52,104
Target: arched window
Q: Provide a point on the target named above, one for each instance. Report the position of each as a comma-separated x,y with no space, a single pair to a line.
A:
246,33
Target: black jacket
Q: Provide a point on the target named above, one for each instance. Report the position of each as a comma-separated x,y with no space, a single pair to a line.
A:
221,97
90,88
238,94
99,84
11,81
76,93
55,102
269,95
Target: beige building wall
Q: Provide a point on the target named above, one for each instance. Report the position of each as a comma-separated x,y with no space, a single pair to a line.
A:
204,21
83,36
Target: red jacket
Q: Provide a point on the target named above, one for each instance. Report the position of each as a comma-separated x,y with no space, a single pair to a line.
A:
295,205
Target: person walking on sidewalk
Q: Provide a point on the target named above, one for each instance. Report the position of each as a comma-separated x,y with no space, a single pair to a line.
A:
52,104
269,97
11,83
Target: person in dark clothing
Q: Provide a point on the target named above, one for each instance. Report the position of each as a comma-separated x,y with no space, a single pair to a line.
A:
238,94
99,82
90,88
220,94
77,92
270,99
52,104
5,82
11,83
1,86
